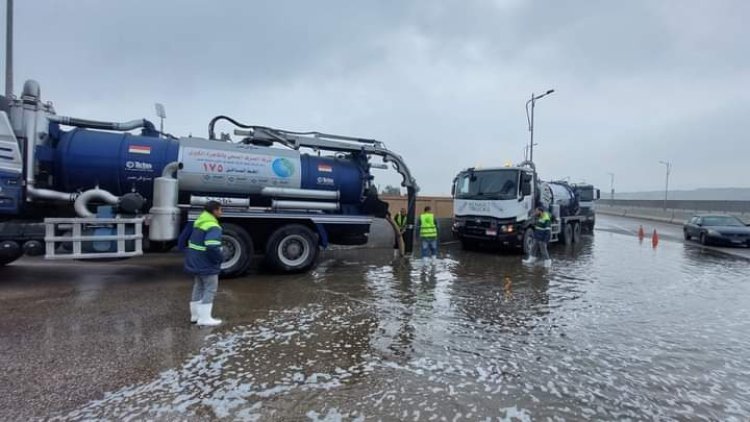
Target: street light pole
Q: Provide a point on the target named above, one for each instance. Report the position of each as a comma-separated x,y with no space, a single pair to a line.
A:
530,120
9,49
668,166
611,186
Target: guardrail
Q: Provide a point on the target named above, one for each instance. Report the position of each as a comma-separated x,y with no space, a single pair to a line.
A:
733,207
677,212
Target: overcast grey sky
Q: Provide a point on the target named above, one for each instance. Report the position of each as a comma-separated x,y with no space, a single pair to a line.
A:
443,83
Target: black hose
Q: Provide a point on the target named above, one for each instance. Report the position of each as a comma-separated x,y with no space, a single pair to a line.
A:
411,211
212,123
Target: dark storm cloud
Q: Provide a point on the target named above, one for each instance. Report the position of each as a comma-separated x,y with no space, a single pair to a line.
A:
442,82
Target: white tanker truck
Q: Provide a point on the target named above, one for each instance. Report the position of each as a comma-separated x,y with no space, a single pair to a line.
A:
494,206
73,188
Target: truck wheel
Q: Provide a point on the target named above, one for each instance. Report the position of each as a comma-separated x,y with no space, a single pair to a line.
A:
528,241
567,233
9,252
237,248
576,233
292,248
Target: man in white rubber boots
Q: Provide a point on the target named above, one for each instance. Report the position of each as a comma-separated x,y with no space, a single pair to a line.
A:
542,234
203,260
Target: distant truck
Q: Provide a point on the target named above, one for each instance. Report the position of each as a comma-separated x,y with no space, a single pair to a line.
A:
494,206
587,194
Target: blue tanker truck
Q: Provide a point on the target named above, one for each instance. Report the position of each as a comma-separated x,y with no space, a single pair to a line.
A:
72,188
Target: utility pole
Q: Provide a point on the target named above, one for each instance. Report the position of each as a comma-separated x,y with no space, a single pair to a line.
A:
668,166
530,120
9,49
162,114
611,187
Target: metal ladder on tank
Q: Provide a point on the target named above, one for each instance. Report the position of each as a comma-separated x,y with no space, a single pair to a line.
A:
76,238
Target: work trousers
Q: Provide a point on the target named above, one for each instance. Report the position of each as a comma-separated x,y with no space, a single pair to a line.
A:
541,247
204,288
429,247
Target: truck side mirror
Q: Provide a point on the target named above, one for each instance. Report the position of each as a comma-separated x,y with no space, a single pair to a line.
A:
598,194
453,188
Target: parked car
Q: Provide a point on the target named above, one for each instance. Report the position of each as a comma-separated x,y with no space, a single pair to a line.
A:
717,229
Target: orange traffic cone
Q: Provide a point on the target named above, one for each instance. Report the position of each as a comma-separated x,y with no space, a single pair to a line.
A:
641,234
655,239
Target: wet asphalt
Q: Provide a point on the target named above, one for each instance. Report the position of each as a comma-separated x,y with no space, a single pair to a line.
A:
615,330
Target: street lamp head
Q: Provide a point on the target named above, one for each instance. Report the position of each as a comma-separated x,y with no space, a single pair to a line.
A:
549,92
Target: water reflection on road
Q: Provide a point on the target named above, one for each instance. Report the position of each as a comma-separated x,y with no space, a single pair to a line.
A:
616,329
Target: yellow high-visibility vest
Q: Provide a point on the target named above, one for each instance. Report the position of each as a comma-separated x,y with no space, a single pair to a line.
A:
427,227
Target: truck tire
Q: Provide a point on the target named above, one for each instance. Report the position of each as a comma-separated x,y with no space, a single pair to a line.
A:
9,252
576,233
528,241
567,233
237,248
292,248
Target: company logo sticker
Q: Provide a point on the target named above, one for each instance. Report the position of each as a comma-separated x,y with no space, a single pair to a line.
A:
326,181
139,166
282,167
325,168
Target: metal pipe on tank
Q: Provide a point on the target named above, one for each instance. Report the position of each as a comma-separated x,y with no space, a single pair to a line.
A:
82,201
300,193
50,194
305,205
31,94
170,169
93,124
224,201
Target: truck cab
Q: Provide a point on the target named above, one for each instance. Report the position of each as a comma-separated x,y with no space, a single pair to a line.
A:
493,205
587,194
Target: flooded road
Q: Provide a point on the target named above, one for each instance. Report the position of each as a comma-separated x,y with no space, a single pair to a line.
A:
614,330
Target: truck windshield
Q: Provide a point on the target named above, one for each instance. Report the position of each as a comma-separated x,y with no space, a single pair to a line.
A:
586,193
488,184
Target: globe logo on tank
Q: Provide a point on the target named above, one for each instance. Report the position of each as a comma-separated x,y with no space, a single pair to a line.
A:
282,167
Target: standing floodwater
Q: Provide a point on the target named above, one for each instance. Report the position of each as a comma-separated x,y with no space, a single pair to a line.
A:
614,330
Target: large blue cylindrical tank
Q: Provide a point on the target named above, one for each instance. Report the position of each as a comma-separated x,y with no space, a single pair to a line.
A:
117,162
327,173
121,162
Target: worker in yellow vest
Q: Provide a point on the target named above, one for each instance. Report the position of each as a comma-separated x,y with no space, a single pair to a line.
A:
400,220
542,234
428,233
